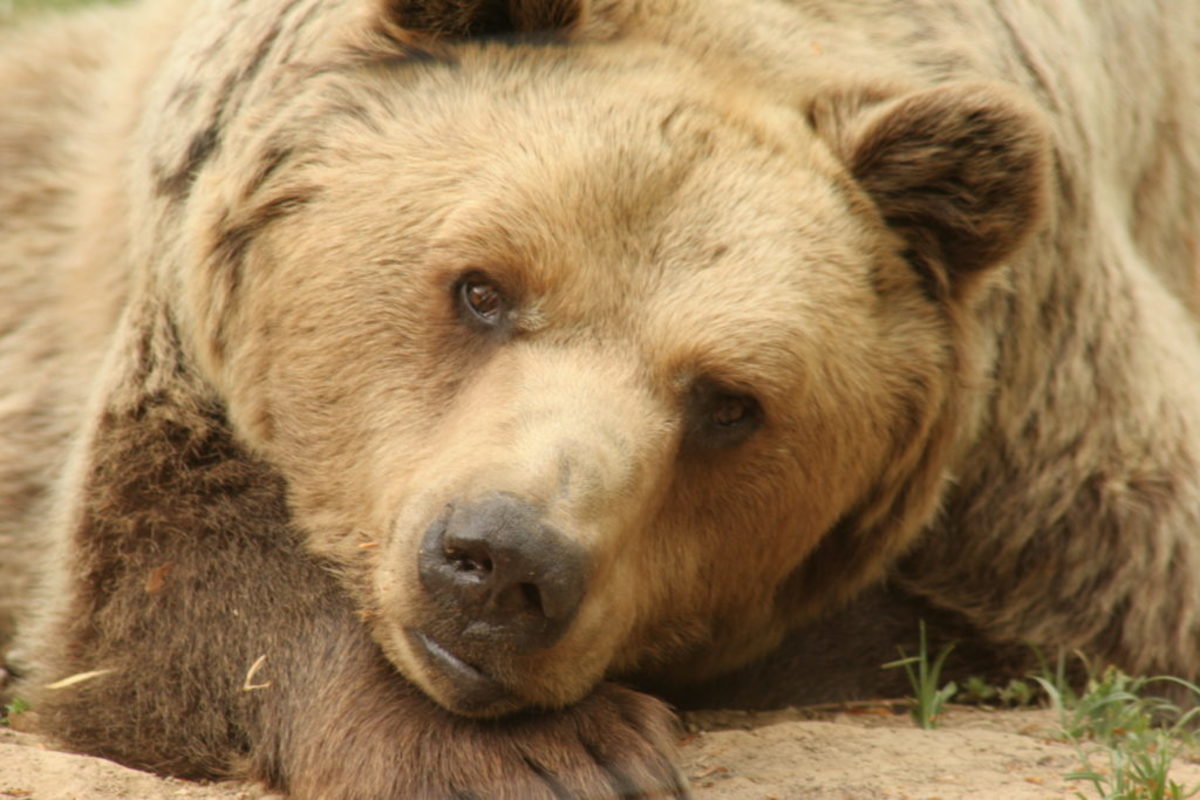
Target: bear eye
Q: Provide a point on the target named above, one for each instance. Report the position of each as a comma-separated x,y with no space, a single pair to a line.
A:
482,298
731,409
720,418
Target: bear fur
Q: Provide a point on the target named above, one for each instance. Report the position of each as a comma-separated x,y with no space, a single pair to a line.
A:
750,331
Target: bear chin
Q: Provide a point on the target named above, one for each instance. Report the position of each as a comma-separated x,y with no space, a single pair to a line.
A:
455,684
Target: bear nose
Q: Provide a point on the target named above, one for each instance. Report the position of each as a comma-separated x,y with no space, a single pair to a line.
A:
505,576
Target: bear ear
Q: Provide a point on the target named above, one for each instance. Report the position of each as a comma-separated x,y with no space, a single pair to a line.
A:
465,19
961,172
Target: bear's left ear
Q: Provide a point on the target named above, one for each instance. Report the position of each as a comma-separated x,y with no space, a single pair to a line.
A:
960,171
465,19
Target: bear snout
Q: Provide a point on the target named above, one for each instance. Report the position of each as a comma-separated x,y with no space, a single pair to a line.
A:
501,575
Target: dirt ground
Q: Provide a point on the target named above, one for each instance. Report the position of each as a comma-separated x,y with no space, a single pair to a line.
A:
866,754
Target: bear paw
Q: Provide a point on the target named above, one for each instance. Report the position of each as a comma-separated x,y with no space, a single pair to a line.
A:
615,743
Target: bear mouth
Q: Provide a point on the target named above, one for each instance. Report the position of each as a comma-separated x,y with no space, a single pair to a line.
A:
463,688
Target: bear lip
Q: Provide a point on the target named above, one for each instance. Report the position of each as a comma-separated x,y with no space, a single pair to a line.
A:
471,692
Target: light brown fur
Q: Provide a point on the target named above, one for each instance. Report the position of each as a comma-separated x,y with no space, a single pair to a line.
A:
947,250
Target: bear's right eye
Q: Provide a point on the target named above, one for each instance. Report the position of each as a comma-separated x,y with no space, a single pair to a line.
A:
482,299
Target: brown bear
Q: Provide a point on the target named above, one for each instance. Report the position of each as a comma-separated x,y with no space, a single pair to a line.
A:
382,381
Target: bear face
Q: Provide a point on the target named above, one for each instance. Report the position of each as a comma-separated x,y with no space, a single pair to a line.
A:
576,388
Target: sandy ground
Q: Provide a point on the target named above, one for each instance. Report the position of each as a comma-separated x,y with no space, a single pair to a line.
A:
868,755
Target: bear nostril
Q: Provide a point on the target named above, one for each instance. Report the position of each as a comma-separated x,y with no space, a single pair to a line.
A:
464,562
532,597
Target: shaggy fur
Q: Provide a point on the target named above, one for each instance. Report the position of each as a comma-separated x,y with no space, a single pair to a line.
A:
802,320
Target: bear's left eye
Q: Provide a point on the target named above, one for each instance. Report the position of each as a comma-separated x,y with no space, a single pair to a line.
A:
483,299
719,418
731,409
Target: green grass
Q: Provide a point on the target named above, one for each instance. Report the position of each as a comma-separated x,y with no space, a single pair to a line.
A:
1017,693
1114,706
1136,736
1125,736
12,709
1136,770
928,696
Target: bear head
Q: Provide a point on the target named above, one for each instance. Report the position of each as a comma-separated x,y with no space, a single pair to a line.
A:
580,356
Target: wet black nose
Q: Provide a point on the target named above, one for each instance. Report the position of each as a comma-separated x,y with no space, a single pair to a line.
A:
502,574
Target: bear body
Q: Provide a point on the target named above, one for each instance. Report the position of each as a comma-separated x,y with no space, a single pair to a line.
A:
380,379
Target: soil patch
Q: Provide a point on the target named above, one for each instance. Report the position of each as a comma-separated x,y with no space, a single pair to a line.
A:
865,753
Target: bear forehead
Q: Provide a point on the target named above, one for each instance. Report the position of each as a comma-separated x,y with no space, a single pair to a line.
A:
619,189
580,127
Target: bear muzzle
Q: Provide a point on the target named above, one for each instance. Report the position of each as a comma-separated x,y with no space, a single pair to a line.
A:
502,583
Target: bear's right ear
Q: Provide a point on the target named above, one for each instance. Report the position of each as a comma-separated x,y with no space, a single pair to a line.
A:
466,19
960,171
